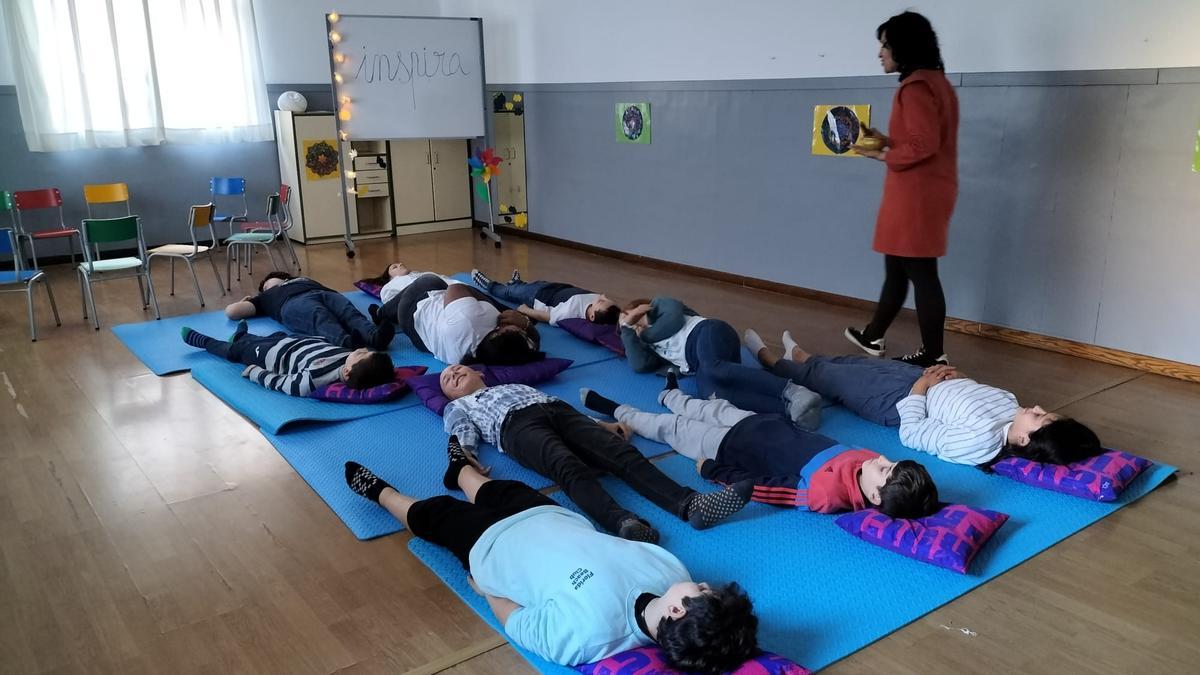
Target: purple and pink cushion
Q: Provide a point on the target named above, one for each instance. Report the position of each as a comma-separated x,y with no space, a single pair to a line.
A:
650,661
429,387
949,538
369,287
340,393
1100,478
605,335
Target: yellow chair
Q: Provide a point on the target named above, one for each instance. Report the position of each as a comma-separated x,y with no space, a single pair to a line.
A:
106,193
199,218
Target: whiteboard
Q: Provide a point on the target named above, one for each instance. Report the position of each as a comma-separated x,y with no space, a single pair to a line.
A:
410,77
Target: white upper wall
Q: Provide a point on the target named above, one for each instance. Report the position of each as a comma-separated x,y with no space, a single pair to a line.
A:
538,41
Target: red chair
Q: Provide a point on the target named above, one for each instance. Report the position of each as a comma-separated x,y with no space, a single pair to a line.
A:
45,198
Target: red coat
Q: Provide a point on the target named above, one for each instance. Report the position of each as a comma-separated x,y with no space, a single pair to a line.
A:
922,168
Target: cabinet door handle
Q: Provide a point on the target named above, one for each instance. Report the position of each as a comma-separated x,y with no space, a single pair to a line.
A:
427,160
435,158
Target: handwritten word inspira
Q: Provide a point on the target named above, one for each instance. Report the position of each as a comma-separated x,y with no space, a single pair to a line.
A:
407,68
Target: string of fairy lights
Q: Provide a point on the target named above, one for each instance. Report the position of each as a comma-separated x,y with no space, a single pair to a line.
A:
344,103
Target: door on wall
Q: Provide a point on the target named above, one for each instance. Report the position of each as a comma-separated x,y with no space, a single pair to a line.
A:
508,118
451,179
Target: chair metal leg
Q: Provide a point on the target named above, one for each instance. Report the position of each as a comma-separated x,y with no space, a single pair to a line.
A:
195,281
150,291
142,293
216,274
53,304
172,275
242,250
91,296
29,305
292,250
82,292
229,266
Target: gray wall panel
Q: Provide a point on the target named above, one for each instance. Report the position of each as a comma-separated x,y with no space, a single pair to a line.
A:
1152,276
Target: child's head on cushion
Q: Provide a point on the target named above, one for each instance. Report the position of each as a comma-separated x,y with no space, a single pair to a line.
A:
396,269
365,369
703,629
603,311
508,344
459,381
901,489
1048,438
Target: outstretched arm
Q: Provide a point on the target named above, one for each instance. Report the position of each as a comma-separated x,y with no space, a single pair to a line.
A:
535,314
242,309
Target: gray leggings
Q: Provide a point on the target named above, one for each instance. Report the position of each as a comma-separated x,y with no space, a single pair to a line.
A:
694,428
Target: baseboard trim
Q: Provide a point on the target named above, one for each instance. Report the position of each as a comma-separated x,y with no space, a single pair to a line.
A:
1117,357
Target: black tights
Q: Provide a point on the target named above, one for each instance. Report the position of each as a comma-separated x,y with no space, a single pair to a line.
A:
931,302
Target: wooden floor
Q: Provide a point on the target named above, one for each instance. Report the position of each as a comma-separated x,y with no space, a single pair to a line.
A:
145,527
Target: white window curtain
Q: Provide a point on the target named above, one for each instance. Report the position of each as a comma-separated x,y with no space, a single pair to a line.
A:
118,73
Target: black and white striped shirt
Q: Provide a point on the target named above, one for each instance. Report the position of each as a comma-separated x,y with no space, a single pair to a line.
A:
959,420
298,366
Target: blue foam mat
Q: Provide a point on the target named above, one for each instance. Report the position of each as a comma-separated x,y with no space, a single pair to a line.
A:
274,411
407,448
809,580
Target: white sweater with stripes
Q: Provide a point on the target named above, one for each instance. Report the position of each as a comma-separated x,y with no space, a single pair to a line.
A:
958,420
298,366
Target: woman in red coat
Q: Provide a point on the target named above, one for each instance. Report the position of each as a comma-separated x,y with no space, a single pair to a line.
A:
921,153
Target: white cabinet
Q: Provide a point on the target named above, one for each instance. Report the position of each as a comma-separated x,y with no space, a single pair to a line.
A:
308,163
431,185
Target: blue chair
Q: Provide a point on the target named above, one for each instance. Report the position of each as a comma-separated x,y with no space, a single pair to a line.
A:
24,278
233,191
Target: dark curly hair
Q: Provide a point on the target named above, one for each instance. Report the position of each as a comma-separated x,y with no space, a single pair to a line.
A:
718,633
372,371
1063,441
608,316
913,42
507,348
274,275
909,492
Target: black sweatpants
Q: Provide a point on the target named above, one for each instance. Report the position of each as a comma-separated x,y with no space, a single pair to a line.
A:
562,444
931,302
456,524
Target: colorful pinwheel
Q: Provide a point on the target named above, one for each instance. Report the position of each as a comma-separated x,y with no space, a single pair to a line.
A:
484,164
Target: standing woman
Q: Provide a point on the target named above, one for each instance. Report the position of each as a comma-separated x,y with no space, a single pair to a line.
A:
921,153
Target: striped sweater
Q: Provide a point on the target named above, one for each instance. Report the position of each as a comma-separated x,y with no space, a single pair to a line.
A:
960,420
298,366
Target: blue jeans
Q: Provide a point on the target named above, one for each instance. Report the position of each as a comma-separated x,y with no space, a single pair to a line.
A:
869,387
714,354
330,316
517,292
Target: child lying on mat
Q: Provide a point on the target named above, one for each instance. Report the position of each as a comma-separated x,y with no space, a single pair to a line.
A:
789,466
938,409
305,307
296,366
561,589
548,436
398,277
459,324
550,301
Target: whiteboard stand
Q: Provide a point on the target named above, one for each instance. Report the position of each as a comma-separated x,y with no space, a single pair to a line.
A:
444,75
489,232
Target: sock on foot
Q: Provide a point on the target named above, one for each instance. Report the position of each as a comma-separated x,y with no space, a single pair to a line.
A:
706,510
594,401
242,329
754,342
382,336
457,460
636,529
672,380
363,482
194,338
788,345
803,406
373,312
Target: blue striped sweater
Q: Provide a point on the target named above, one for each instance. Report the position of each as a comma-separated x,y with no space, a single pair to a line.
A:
298,366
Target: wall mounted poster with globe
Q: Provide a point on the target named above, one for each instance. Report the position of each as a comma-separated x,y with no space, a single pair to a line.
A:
321,159
837,127
633,123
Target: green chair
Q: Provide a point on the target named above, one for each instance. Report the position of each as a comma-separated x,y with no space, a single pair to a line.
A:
127,229
245,243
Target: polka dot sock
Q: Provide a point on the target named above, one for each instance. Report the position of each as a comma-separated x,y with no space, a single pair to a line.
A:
363,482
706,510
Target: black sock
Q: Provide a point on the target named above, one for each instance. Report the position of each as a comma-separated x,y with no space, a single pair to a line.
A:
636,529
363,482
373,312
457,459
672,380
594,401
708,509
382,336
194,338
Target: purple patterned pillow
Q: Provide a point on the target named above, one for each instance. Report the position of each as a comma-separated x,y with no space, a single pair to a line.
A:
650,661
369,287
429,388
339,392
949,538
1101,478
605,335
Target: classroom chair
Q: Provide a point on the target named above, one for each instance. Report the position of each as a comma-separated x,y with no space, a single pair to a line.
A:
283,220
27,201
126,229
226,193
244,243
23,277
199,218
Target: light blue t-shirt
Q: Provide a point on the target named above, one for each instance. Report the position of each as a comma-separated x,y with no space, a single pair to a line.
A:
576,586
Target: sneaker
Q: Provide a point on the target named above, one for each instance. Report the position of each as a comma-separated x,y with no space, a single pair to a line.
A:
516,276
924,359
872,347
481,280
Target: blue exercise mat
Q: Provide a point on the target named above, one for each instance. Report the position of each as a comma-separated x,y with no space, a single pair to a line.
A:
407,448
821,594
159,345
274,411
